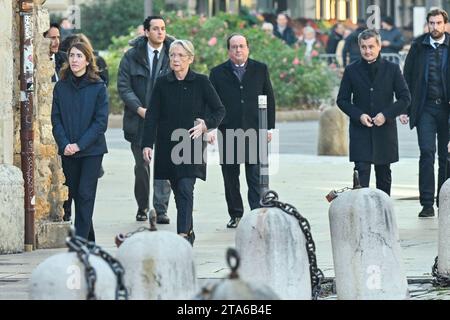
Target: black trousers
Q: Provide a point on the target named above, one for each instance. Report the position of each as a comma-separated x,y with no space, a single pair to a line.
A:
230,173
183,191
432,122
81,178
382,174
161,188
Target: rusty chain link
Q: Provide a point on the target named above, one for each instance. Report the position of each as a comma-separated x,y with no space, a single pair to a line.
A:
439,280
83,249
270,200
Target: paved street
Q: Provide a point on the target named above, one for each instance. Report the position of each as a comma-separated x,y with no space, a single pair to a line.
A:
303,179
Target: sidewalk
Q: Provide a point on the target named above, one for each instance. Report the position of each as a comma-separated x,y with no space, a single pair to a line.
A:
302,181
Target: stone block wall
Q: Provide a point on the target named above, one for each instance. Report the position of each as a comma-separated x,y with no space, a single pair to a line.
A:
49,179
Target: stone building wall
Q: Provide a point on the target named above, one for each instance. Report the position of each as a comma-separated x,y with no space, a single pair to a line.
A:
49,179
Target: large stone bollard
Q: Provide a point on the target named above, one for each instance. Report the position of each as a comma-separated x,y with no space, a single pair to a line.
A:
62,277
333,133
234,288
444,230
272,249
12,216
366,248
158,265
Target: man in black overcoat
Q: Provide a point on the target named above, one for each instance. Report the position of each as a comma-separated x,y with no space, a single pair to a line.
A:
140,66
239,81
366,95
426,72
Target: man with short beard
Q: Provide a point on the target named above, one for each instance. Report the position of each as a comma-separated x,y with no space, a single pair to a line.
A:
426,72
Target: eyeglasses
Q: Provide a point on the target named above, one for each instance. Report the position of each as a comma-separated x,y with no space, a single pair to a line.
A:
235,47
176,55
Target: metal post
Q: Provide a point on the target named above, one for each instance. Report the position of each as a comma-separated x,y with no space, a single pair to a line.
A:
26,117
148,10
263,146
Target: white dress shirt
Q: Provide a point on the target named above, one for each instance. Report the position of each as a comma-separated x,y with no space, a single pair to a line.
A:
151,54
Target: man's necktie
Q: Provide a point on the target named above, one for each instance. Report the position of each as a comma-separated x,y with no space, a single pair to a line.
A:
155,63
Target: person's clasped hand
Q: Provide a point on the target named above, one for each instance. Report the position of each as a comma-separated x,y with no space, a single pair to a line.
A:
71,149
366,120
197,130
379,119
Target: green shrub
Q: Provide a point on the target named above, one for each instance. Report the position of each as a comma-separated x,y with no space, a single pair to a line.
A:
297,83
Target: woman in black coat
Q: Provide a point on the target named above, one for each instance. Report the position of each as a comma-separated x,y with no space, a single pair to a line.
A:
79,119
184,105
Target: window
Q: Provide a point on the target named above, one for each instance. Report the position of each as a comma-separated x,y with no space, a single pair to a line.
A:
337,10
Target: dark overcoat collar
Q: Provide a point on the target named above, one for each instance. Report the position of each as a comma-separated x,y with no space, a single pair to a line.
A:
363,71
190,76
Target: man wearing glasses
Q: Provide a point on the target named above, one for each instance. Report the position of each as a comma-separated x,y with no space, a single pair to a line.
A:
239,81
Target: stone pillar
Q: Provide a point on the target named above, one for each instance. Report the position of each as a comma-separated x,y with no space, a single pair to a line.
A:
272,249
12,215
49,178
366,247
159,265
444,230
333,133
62,277
6,87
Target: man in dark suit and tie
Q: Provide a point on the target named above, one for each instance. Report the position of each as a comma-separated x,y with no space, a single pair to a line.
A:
140,66
239,81
366,95
427,75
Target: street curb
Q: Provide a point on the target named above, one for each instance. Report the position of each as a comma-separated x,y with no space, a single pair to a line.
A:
115,120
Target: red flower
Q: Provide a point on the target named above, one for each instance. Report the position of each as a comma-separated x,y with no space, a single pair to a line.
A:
314,53
212,41
296,61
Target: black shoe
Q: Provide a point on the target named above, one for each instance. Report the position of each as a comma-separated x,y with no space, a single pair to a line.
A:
141,216
162,219
101,172
233,222
67,216
426,212
190,237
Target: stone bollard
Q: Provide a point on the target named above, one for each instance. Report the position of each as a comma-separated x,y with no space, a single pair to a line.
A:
12,216
62,277
366,249
234,288
444,230
159,265
333,133
272,249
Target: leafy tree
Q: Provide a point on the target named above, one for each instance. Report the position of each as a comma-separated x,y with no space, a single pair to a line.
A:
103,19
298,82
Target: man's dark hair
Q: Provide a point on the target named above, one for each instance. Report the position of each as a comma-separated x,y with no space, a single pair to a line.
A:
52,25
437,12
388,20
361,23
234,35
150,18
369,33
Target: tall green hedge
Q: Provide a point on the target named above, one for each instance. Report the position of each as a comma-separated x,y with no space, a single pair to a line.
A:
297,83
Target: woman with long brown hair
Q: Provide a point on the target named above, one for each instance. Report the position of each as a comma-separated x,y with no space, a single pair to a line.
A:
79,119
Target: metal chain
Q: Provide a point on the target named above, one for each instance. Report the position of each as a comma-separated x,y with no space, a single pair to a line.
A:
83,253
343,190
439,279
116,267
84,248
270,200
